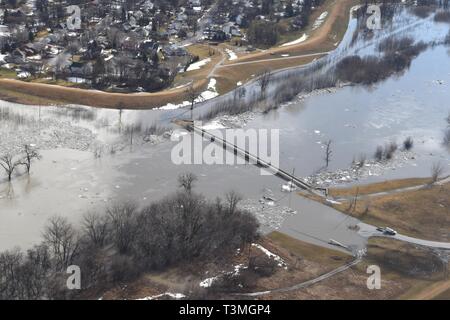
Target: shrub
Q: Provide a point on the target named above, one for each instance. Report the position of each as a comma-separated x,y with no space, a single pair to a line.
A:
442,16
379,153
408,143
446,138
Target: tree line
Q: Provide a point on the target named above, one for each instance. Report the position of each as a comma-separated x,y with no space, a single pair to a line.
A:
10,162
122,242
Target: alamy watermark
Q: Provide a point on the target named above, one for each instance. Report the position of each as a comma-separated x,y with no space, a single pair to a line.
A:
74,20
374,20
374,280
228,147
74,280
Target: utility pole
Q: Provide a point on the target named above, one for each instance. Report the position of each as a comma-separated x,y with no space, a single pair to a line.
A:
290,187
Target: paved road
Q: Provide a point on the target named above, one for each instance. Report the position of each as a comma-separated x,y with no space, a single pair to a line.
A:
368,231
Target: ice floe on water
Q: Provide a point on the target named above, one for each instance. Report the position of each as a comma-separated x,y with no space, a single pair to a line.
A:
213,125
45,134
269,213
236,121
358,170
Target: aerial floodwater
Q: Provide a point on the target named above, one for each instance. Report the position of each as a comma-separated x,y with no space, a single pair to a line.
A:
94,157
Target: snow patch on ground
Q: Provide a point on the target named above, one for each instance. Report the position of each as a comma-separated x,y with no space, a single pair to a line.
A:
209,93
320,20
169,294
2,58
271,255
197,65
231,54
299,40
208,282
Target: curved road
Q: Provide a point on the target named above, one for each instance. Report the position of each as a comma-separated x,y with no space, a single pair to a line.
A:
306,283
367,231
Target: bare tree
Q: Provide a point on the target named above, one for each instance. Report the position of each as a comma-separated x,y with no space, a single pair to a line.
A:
263,82
390,149
123,226
62,240
186,181
446,139
9,164
361,160
192,95
193,25
73,48
30,154
408,143
122,64
437,169
379,153
233,198
58,68
328,153
95,227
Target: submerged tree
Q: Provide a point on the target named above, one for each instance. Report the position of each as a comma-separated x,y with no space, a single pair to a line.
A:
192,94
328,153
186,181
263,82
30,154
9,164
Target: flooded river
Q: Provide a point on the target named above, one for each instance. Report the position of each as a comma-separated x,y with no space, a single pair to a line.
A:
94,157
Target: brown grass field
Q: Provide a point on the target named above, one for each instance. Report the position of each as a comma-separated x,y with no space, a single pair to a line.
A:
407,272
422,213
36,93
378,187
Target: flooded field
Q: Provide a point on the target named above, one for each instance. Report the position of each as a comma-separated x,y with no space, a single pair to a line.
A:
93,157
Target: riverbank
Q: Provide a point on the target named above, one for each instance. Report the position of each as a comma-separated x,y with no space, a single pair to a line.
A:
421,212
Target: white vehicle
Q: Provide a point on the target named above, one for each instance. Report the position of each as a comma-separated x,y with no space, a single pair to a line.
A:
387,231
